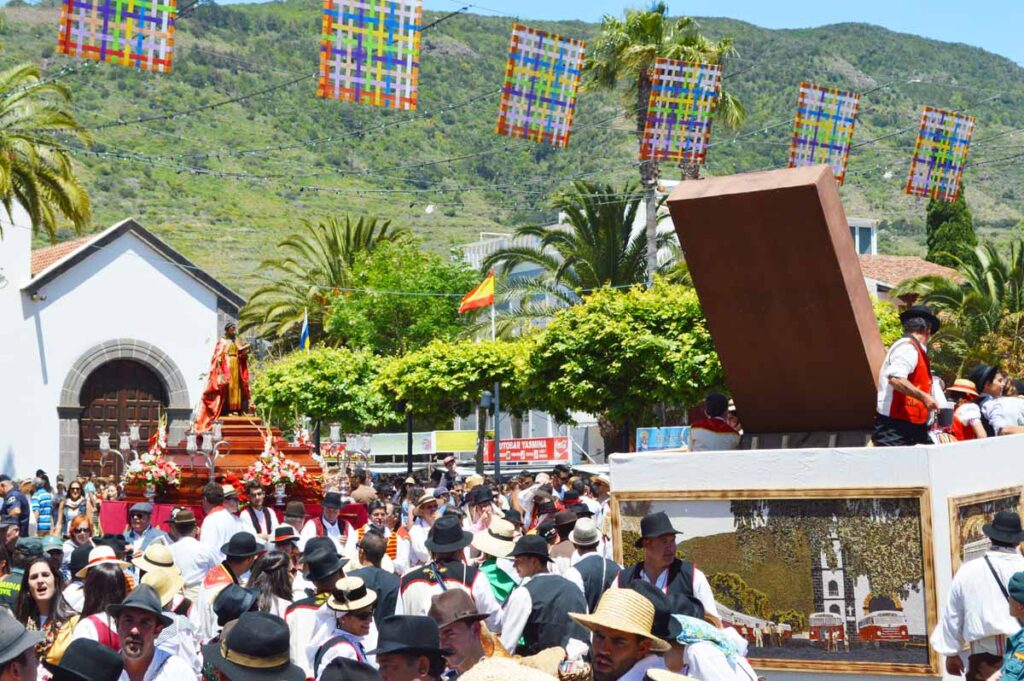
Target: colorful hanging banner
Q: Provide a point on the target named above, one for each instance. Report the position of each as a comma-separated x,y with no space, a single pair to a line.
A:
538,100
138,33
683,98
823,129
940,154
370,52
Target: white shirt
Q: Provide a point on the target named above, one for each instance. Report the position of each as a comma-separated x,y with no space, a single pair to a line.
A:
326,629
261,529
968,413
706,662
418,552
415,598
639,670
701,588
194,559
165,667
976,612
343,535
218,528
1003,412
74,595
517,612
86,629
900,362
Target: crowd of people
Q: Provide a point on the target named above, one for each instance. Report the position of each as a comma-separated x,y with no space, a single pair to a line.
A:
404,579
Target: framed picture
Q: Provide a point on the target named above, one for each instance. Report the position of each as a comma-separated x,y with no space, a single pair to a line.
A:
837,580
969,513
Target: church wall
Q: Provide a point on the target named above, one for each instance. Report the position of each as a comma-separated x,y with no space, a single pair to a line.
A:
123,293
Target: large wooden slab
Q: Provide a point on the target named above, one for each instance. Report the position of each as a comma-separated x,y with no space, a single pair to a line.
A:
777,274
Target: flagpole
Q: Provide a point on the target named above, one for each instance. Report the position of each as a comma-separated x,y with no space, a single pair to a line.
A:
492,322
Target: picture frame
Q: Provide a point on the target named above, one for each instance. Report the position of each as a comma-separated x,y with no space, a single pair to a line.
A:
802,560
967,515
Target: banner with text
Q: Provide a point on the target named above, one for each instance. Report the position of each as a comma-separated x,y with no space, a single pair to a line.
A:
530,450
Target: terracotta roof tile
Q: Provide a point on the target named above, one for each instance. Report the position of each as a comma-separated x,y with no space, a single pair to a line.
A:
44,257
893,270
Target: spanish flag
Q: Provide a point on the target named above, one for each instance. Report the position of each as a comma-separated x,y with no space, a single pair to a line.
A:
481,296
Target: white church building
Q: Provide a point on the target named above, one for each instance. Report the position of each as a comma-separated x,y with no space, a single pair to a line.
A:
95,334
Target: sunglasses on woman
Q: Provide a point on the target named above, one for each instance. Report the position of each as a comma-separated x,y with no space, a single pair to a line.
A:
81,530
362,614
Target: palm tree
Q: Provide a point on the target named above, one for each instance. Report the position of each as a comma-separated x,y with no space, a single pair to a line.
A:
626,50
987,304
597,246
35,168
315,264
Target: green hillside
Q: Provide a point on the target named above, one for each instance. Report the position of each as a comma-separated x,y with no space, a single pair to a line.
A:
206,182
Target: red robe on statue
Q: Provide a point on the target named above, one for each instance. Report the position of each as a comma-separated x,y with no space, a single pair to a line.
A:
227,385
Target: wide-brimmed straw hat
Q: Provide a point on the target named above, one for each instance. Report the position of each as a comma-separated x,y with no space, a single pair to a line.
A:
157,557
964,386
100,554
497,540
167,584
350,594
623,610
503,669
425,498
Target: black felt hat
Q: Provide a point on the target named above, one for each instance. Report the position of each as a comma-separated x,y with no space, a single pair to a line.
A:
232,601
408,634
925,313
256,647
79,558
241,545
982,374
1005,528
145,598
87,660
15,639
447,535
322,562
344,669
655,525
531,545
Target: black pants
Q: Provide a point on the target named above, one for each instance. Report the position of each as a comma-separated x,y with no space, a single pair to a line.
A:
890,432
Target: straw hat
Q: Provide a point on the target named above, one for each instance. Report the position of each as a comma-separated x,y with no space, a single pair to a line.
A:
964,386
100,554
426,498
623,610
497,540
157,557
166,583
502,669
350,594
472,481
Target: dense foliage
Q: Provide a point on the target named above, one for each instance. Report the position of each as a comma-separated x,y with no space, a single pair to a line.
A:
950,231
329,384
447,378
373,315
209,184
621,353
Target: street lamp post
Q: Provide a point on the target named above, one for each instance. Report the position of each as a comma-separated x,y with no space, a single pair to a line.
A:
491,403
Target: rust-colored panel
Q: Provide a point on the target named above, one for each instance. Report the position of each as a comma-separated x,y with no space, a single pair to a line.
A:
777,274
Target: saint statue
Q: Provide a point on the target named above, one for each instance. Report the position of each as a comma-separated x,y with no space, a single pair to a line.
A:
227,385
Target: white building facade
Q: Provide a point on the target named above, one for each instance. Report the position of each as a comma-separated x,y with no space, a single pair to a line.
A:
114,329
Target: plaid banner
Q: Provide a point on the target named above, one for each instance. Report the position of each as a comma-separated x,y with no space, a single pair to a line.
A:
134,33
683,98
940,154
370,52
823,128
538,100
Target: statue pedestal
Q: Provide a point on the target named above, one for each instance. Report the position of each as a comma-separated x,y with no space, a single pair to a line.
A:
244,434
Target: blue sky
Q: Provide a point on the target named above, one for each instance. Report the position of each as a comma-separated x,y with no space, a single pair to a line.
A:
992,24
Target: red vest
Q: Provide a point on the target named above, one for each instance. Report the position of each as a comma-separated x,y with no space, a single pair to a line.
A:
905,407
960,431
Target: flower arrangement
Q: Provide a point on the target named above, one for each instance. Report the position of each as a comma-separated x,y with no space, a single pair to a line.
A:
272,468
152,469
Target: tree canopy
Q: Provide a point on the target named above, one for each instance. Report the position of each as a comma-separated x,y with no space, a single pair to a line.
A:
950,231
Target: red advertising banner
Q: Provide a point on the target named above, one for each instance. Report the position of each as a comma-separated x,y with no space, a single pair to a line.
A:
530,450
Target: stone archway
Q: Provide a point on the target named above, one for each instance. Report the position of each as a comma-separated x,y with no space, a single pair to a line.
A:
179,409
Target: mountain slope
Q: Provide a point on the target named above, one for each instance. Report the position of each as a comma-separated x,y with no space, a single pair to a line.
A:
225,183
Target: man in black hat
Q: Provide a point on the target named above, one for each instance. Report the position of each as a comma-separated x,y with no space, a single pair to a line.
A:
86,660
140,619
536,611
17,650
905,403
255,648
975,622
409,649
447,569
329,524
323,568
664,570
561,552
239,555
996,419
